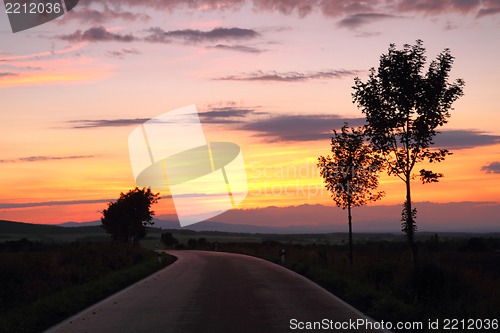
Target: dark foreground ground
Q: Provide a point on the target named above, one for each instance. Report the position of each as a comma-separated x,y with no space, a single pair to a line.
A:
215,292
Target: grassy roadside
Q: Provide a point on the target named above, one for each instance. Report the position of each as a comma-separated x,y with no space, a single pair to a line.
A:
35,314
453,279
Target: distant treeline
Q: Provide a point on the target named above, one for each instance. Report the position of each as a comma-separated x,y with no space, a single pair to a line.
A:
10,227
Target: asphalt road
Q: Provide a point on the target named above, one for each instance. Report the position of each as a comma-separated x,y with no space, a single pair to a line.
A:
204,292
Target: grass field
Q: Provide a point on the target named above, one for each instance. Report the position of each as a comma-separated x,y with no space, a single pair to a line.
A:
457,276
54,234
42,283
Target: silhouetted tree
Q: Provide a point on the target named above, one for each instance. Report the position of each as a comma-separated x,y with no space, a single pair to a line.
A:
403,108
351,172
168,239
127,218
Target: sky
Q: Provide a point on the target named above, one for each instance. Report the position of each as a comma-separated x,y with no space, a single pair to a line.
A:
273,76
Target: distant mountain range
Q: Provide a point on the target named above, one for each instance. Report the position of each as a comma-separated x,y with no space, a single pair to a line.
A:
432,217
225,227
79,224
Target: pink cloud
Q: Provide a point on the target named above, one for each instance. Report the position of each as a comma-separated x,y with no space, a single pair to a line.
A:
328,8
45,53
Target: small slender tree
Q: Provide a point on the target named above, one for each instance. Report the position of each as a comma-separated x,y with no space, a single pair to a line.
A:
127,218
403,108
351,172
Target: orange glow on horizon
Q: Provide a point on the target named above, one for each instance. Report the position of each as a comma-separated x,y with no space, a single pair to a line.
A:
48,78
275,178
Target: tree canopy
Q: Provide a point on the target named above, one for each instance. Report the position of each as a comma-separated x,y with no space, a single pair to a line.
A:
351,172
404,107
127,218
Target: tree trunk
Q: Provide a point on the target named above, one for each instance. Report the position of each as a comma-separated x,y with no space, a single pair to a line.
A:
350,232
410,223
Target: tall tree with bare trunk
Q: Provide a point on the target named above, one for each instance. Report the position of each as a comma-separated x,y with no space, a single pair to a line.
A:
404,107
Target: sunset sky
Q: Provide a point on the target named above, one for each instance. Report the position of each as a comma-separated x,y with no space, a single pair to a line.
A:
274,76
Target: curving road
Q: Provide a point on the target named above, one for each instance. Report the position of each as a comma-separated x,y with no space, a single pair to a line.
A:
204,292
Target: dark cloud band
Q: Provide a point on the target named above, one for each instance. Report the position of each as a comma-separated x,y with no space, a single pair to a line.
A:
237,48
462,139
123,52
8,74
97,34
97,123
84,14
52,203
298,127
328,8
290,76
318,127
227,115
493,167
158,35
45,158
357,20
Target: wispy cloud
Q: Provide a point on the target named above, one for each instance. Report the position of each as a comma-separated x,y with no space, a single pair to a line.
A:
158,35
122,52
63,202
299,127
55,76
364,34
45,158
38,55
489,11
219,114
229,114
357,20
7,74
52,203
493,167
462,139
302,127
290,76
97,34
237,48
87,15
98,123
440,7
54,66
